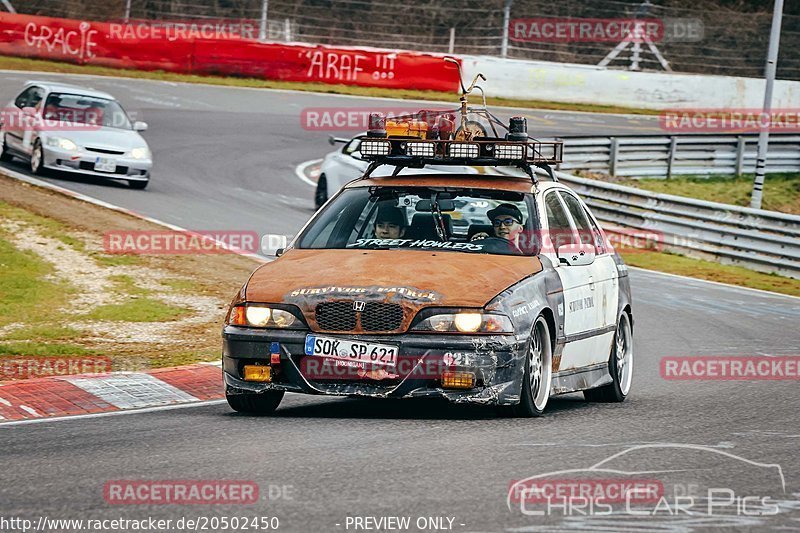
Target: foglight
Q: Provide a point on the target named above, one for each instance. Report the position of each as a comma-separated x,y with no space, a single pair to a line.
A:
509,151
375,147
421,149
458,380
467,150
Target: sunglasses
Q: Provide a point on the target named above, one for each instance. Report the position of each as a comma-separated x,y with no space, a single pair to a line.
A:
507,222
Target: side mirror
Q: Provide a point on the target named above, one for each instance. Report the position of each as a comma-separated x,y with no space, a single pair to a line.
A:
139,126
273,245
29,111
576,254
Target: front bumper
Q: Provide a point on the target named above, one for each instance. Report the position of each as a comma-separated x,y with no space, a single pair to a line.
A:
83,162
495,360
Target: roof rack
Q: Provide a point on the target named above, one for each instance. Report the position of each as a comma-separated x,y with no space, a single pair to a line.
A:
416,152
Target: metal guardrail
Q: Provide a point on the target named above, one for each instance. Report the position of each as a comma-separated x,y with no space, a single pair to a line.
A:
668,156
765,241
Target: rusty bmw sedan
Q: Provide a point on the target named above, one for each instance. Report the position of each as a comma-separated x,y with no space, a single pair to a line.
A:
386,292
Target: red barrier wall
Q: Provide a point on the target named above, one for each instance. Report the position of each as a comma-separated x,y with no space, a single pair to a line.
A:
186,48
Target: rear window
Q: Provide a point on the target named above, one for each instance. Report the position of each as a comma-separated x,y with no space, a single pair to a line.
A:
421,218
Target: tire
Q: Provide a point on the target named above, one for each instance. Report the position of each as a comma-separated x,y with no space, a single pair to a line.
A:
135,184
538,372
620,366
321,194
5,155
37,159
255,404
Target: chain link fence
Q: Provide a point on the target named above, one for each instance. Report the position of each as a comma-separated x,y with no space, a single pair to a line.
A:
733,41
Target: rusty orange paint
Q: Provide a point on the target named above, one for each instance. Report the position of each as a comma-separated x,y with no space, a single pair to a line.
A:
458,279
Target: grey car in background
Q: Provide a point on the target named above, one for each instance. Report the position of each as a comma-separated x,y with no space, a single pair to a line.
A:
73,129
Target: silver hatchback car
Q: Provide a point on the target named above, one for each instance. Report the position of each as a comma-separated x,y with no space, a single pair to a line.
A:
68,128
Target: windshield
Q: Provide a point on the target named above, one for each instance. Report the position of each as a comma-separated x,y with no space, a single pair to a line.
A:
80,109
421,218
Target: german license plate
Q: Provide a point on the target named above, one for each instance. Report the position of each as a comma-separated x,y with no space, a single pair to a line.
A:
347,350
104,164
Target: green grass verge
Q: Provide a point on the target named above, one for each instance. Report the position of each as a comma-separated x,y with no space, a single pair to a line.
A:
26,296
138,310
42,349
697,268
45,332
781,191
20,63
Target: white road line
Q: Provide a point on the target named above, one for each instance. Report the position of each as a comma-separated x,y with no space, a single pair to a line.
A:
5,402
29,410
300,171
110,413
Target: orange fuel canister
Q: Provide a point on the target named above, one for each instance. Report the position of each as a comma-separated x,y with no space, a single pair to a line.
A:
396,128
418,128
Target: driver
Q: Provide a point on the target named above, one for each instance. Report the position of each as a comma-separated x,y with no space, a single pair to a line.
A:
508,225
390,223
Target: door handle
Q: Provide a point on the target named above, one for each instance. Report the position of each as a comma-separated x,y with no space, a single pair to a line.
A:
591,282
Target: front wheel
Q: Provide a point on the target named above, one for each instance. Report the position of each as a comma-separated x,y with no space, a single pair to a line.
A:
255,404
620,366
321,194
136,184
538,372
5,155
37,159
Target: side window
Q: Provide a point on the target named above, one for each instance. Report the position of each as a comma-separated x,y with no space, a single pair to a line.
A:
585,230
351,147
599,242
24,97
558,222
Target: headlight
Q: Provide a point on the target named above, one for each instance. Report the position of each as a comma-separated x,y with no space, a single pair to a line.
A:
263,316
466,322
257,316
60,142
140,153
282,319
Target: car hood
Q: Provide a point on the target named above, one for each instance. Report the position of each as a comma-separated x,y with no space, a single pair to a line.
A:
106,138
421,278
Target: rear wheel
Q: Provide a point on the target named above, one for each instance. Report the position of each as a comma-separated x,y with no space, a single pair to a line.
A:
321,195
5,155
620,366
538,372
255,404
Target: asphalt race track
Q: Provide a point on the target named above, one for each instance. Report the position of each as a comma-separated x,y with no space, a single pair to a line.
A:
225,159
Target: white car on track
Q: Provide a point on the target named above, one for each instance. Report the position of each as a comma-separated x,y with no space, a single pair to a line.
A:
72,129
343,166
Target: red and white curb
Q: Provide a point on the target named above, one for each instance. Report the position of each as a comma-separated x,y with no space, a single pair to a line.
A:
104,393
